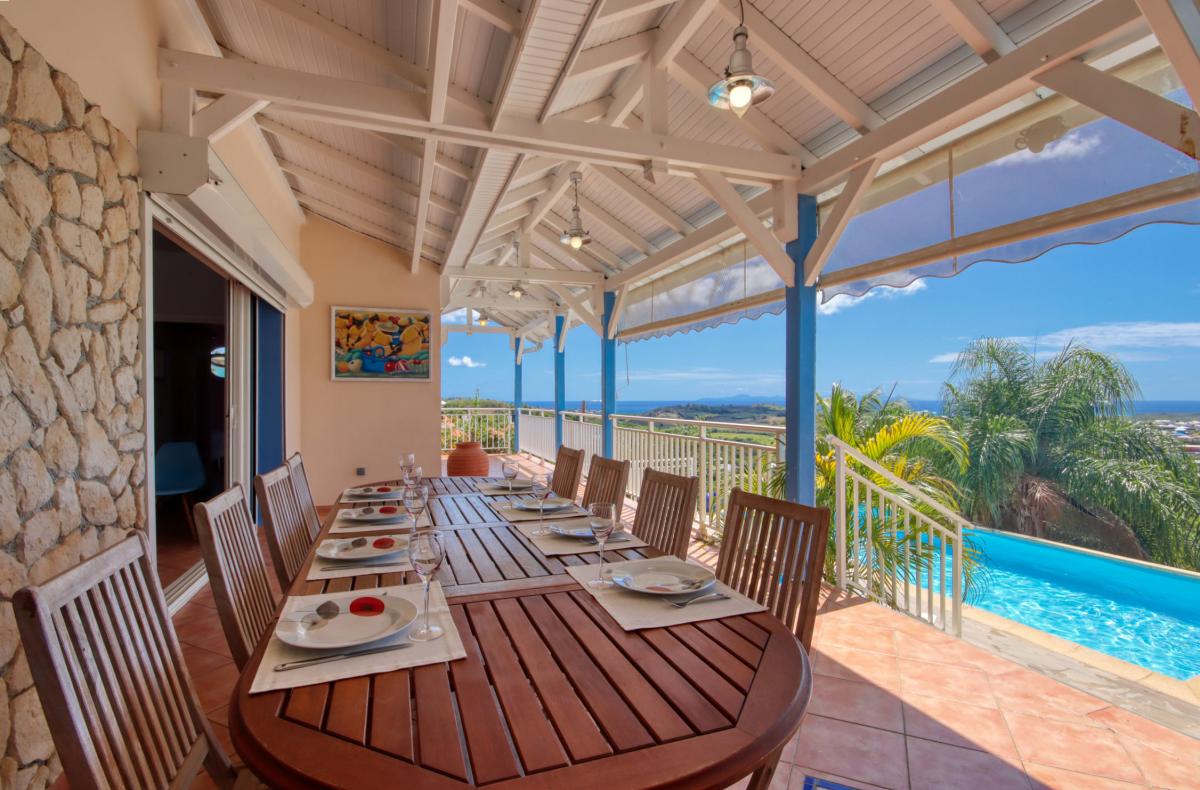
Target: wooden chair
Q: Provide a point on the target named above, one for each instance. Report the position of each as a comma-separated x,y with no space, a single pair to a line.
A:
288,535
666,508
774,552
304,497
568,468
112,680
606,482
236,571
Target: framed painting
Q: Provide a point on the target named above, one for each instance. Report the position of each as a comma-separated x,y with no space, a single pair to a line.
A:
380,344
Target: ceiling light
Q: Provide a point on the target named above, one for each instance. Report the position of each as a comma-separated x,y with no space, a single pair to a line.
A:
741,88
516,292
575,236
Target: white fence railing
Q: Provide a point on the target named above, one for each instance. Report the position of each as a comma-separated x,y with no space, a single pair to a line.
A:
492,428
895,544
537,432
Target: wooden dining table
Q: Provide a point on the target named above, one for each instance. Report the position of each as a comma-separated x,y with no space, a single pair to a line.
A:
553,693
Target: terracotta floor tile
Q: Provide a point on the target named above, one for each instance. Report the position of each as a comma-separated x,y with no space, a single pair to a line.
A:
859,753
858,702
942,649
200,661
858,635
1073,746
934,766
852,664
220,715
927,679
958,724
1044,777
1162,769
1029,692
208,635
215,687
1134,727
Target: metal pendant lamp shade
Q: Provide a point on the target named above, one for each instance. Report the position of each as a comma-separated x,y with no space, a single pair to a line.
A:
575,236
742,88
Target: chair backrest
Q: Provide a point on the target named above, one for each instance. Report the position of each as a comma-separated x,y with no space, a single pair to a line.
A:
606,481
774,552
666,507
178,469
111,677
304,497
568,468
236,571
288,536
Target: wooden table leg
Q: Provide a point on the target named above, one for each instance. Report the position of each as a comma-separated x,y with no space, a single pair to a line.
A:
761,778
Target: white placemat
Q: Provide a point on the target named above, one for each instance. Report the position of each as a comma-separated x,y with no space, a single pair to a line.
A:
515,515
333,569
634,611
497,489
343,526
448,648
552,545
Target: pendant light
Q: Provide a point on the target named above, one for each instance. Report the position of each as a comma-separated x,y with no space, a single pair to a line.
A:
516,292
575,236
741,88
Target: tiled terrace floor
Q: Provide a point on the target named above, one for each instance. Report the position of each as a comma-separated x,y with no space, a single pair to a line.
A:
896,704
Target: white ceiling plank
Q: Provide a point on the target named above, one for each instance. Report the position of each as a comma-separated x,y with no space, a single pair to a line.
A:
354,222
802,67
975,26
526,274
496,13
1176,25
647,201
839,217
558,186
416,148
224,115
523,193
597,212
761,239
1147,112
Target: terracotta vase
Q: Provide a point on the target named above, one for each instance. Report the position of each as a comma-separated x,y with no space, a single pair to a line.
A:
467,459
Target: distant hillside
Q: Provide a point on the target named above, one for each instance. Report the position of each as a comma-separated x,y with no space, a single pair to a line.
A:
752,413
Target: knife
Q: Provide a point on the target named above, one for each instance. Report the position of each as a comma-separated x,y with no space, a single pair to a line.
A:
308,662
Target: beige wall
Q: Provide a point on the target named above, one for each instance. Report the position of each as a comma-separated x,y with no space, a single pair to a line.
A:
111,48
362,423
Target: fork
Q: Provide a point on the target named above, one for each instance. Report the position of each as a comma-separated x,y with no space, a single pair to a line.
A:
698,599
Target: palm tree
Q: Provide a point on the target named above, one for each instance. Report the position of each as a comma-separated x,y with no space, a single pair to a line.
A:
1065,420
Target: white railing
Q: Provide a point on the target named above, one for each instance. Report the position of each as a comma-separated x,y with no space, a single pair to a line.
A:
537,432
582,432
896,545
492,428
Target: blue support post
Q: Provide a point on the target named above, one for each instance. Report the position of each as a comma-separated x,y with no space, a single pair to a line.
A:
517,401
801,371
608,376
560,378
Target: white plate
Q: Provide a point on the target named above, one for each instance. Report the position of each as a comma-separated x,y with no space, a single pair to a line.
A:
376,492
350,628
552,504
584,532
372,548
386,514
517,484
664,577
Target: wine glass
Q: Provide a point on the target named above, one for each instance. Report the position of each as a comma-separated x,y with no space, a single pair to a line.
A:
412,473
510,469
426,554
542,491
416,499
602,519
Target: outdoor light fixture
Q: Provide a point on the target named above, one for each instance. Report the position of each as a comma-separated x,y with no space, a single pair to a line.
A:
516,292
575,236
741,88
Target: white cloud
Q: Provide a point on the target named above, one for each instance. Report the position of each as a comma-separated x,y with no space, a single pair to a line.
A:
465,362
845,301
1122,339
944,359
1075,145
455,316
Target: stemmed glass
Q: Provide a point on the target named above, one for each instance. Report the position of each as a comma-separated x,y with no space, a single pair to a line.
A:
426,553
541,491
410,473
510,469
602,519
416,499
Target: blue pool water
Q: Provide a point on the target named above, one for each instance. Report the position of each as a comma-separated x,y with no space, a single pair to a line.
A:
1140,614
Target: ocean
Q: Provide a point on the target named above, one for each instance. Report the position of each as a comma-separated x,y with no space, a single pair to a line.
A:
1165,407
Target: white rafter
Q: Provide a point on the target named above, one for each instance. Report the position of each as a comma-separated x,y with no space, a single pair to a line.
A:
525,274
496,13
975,26
1176,25
856,187
747,220
224,115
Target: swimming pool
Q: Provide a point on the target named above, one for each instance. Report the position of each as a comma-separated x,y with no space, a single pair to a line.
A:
1135,612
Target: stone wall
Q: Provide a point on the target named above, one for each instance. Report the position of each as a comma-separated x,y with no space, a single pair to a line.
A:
72,444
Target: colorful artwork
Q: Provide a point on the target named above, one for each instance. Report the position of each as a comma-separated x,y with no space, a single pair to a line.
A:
378,343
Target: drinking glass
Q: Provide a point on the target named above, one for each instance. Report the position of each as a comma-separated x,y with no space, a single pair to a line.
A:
426,554
542,491
411,473
510,469
416,499
602,518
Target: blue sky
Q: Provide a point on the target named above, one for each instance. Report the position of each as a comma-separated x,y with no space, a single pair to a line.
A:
1137,297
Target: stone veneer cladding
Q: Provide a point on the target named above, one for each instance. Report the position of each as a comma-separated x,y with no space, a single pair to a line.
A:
72,414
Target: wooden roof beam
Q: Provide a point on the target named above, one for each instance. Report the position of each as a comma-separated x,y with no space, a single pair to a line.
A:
975,26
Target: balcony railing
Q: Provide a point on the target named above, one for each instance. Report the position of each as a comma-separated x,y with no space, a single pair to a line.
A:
895,544
682,447
492,428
